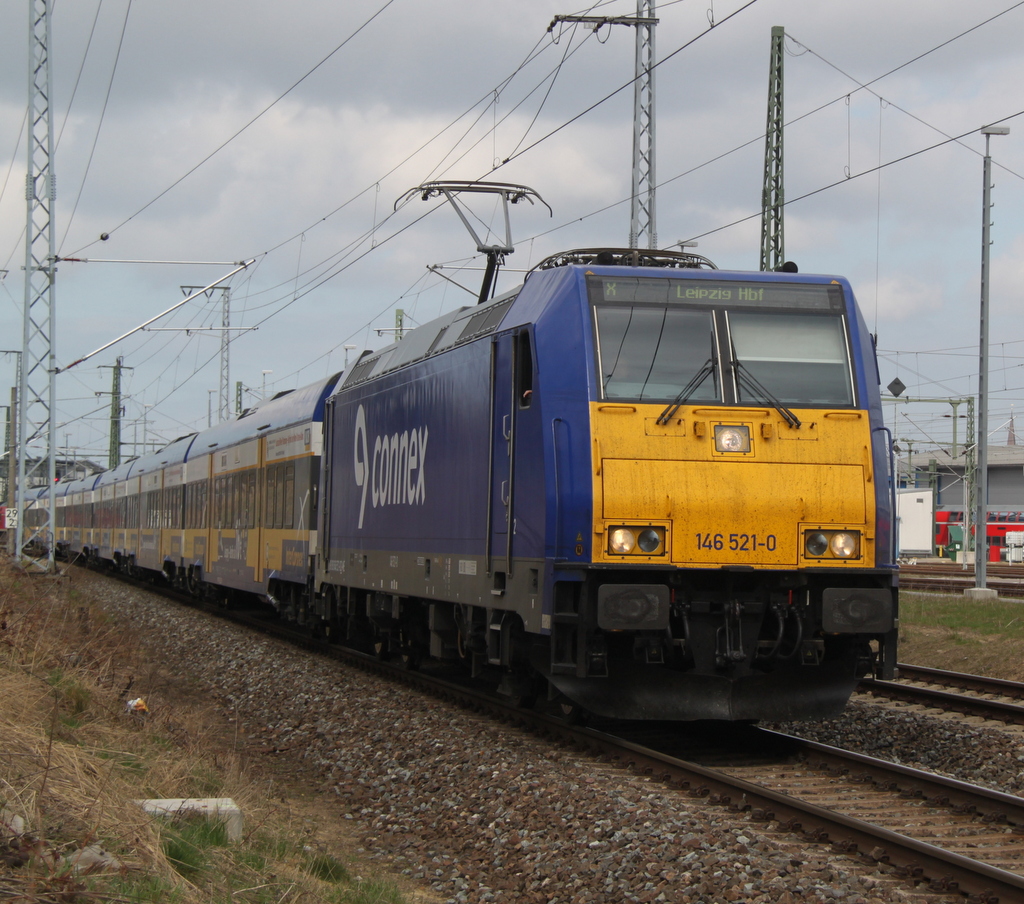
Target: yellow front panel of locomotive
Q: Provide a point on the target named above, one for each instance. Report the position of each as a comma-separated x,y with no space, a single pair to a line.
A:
720,509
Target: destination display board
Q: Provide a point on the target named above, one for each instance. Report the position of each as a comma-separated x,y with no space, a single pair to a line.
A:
727,293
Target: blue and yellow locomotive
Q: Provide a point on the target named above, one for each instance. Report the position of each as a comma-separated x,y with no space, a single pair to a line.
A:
637,485
642,486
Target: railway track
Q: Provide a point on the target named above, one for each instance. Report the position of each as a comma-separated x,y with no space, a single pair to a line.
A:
987,698
947,835
1006,580
942,835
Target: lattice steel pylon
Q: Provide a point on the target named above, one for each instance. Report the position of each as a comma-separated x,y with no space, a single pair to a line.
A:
773,246
224,383
38,384
642,219
225,354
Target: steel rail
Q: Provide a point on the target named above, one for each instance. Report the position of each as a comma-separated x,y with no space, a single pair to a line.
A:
995,710
945,870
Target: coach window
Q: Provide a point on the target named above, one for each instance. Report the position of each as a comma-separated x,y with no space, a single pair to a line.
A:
250,499
222,502
271,496
289,496
236,501
524,369
279,502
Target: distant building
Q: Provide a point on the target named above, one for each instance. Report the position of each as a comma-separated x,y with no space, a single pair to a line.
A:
945,475
67,469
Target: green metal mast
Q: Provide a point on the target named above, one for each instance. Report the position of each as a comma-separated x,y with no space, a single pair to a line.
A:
116,413
773,192
114,456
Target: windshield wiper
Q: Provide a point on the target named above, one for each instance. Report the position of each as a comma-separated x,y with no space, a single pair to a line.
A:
706,369
745,378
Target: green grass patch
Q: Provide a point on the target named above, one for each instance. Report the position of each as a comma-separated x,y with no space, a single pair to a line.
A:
127,761
326,868
145,890
71,694
189,842
371,891
958,615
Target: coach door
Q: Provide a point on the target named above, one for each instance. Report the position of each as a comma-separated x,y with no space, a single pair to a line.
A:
512,399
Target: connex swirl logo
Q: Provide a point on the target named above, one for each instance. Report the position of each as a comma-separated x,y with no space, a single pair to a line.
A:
394,474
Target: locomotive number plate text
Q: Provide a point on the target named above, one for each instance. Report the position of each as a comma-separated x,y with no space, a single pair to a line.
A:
737,542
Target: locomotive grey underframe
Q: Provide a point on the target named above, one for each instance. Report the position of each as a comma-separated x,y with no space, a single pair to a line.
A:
457,579
862,604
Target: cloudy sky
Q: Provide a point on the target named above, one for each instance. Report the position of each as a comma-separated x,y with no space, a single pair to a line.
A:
285,133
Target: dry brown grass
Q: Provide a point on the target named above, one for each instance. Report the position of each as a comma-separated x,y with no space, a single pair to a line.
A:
73,761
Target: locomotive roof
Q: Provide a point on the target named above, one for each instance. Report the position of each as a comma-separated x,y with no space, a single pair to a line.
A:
451,329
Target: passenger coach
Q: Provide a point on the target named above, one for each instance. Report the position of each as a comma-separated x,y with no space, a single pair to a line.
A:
230,509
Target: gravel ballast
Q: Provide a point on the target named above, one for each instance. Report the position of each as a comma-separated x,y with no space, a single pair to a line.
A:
482,812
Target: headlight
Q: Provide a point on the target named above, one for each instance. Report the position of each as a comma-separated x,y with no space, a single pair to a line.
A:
817,544
621,541
732,439
637,541
832,544
648,541
843,545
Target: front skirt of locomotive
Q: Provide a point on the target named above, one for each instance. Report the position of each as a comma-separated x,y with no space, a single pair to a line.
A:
640,691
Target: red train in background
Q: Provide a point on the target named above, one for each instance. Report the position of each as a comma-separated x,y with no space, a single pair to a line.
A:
999,524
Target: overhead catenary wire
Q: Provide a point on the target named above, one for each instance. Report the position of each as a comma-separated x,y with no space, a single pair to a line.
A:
103,110
253,120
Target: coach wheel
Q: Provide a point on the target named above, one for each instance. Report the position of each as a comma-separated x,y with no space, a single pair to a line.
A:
571,712
409,654
525,690
194,581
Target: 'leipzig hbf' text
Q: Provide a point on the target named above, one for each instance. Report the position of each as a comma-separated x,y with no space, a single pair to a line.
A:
393,474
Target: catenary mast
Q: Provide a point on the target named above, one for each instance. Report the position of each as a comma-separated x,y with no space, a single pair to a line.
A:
38,378
642,222
773,192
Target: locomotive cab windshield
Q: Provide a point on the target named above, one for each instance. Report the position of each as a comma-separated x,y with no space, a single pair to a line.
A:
731,342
